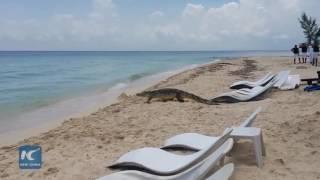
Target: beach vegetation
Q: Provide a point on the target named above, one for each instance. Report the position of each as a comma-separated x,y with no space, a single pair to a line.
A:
310,28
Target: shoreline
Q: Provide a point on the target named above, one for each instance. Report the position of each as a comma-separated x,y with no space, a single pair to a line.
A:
43,119
70,108
82,148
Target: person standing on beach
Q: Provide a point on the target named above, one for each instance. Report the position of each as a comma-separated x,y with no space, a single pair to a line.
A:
315,53
310,54
304,49
295,51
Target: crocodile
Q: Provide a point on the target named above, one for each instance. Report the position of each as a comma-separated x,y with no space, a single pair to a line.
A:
171,94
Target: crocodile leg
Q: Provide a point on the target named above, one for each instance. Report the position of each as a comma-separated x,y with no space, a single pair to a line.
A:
149,99
179,97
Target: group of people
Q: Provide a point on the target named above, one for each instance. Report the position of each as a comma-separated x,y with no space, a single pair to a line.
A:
309,53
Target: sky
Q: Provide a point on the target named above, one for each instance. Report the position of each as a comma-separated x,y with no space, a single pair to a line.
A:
152,24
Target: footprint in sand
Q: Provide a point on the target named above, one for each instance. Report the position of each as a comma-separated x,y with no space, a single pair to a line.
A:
4,175
314,152
51,170
279,161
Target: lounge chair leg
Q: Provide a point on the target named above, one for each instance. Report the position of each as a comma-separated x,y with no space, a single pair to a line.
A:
263,146
258,151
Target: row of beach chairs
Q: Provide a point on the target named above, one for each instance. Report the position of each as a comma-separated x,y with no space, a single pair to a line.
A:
208,152
247,90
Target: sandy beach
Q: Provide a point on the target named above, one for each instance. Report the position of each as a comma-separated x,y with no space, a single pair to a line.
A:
82,148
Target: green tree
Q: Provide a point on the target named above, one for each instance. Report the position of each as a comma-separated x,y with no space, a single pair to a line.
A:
310,27
317,36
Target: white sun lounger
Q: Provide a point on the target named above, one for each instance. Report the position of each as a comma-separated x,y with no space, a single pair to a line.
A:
199,171
281,78
195,141
292,82
224,173
161,162
245,94
248,84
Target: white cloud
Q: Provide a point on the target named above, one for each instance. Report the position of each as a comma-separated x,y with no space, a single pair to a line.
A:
103,9
103,5
245,24
157,14
192,10
280,36
63,30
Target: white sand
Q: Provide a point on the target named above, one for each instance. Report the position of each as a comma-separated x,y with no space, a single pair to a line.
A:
81,148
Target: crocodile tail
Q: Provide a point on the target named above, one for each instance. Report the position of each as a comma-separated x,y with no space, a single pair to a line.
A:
196,98
201,100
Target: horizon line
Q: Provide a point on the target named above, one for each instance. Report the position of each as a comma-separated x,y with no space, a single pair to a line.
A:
138,50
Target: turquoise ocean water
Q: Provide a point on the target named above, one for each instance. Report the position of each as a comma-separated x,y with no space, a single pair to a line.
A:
33,80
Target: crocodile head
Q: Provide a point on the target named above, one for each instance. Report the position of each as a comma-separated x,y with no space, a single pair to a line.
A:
144,93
